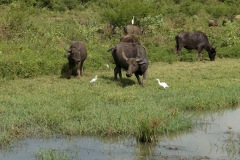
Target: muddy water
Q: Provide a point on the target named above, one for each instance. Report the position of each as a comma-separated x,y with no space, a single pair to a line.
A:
216,136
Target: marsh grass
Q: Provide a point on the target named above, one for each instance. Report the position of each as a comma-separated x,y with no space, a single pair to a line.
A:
51,154
232,144
147,131
49,105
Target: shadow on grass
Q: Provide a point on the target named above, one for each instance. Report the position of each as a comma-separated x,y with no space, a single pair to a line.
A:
65,71
124,83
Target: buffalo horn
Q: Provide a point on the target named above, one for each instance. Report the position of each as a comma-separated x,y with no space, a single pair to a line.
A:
123,53
68,50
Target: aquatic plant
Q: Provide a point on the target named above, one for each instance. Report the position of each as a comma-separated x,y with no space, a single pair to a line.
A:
51,154
147,131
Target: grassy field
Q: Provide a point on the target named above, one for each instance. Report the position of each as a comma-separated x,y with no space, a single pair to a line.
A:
36,101
33,38
48,105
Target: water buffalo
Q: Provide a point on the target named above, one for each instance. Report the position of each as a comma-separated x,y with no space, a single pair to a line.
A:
131,38
132,29
212,23
76,54
195,40
131,57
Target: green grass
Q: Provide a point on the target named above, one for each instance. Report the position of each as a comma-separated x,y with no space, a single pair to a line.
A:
33,38
49,105
34,101
51,154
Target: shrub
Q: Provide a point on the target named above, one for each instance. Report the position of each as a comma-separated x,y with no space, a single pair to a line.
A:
190,8
229,52
120,13
147,131
5,1
15,18
151,23
219,10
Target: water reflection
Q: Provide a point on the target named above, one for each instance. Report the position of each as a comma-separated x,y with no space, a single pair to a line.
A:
216,136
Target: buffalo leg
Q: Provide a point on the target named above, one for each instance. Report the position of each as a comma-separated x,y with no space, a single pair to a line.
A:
178,47
117,70
138,78
178,50
115,73
120,74
70,71
200,56
144,77
199,53
79,69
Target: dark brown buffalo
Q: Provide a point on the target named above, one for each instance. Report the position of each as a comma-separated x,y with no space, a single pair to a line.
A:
195,40
131,38
212,23
132,29
76,54
131,57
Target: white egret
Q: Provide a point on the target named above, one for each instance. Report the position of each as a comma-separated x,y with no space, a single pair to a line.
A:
133,21
163,84
94,79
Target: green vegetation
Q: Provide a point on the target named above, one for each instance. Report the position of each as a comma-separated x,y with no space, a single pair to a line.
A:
49,105
33,33
35,101
51,154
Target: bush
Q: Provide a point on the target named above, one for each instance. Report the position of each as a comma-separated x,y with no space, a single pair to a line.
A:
151,23
59,5
219,10
5,1
229,52
190,8
120,13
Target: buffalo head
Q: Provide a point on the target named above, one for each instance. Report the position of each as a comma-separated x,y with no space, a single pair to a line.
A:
133,63
74,54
